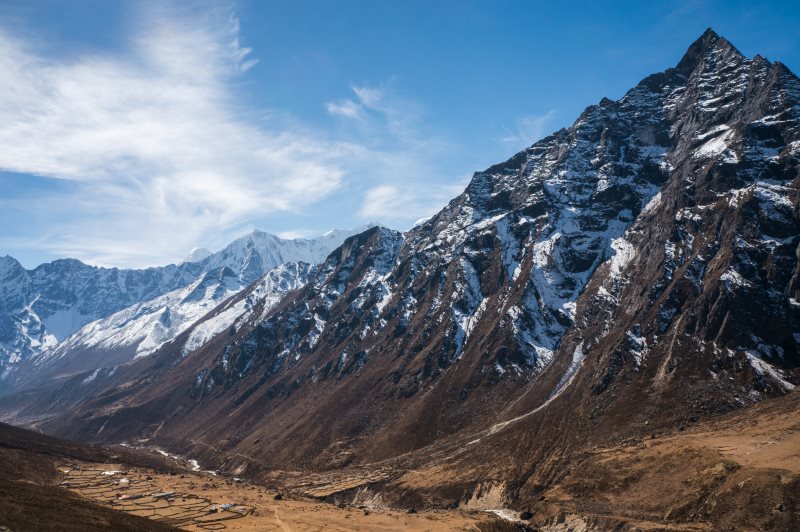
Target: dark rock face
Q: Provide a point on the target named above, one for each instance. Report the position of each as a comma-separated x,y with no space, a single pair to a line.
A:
641,265
701,305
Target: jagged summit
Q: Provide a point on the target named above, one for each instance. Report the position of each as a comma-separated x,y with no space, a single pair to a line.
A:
7,262
706,46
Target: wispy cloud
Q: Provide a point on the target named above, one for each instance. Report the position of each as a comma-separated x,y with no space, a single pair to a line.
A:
392,145
155,155
347,108
528,129
685,7
297,233
157,150
367,99
392,202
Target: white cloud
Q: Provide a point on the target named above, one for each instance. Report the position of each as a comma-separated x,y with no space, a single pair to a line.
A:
346,107
528,129
153,154
157,151
386,112
407,203
392,146
382,201
370,96
684,8
297,233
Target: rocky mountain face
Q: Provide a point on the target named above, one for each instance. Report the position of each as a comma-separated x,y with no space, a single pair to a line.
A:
695,313
701,305
67,307
634,271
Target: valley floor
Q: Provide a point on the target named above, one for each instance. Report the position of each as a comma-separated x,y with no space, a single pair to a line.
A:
736,472
740,471
200,501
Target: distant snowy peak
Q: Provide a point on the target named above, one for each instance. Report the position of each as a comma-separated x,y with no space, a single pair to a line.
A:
141,329
41,307
258,252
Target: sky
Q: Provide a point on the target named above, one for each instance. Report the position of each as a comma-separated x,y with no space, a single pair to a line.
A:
132,132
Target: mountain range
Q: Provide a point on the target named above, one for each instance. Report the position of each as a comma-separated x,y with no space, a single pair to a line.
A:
107,315
633,274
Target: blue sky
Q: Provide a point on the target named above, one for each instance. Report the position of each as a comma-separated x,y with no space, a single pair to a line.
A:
132,132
